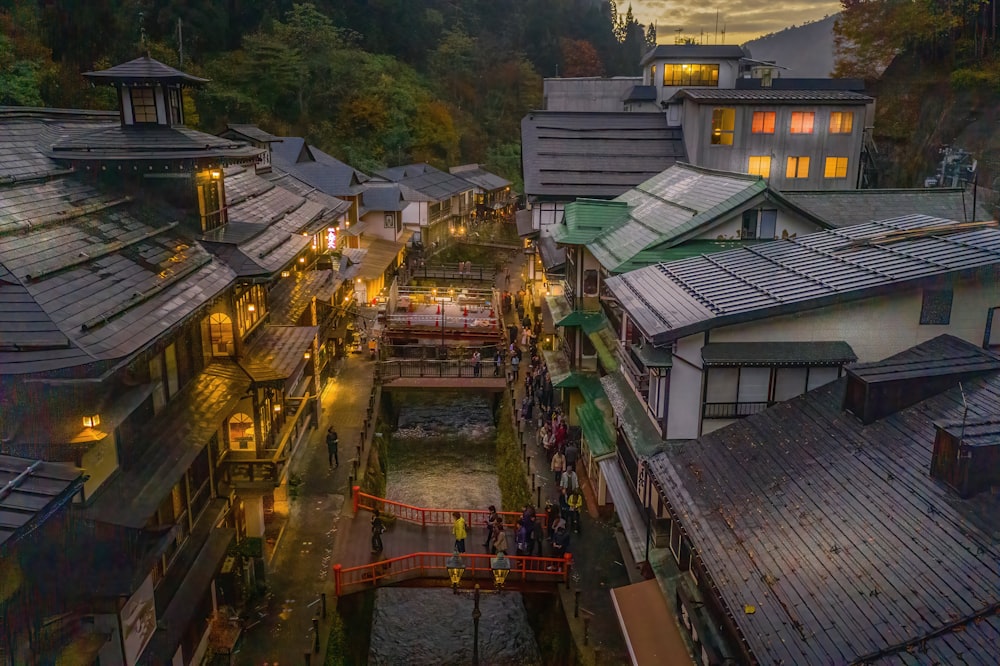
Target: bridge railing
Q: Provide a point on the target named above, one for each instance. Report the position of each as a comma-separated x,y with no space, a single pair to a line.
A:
483,320
434,565
474,518
416,367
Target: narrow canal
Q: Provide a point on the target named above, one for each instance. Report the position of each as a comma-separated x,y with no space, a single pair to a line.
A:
443,454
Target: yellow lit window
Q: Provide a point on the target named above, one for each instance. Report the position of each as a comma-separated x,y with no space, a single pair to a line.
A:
836,167
841,122
802,122
690,75
763,122
797,167
723,126
759,165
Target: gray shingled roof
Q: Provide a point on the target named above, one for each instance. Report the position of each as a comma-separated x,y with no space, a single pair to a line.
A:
28,135
671,300
383,196
324,172
695,51
255,133
29,491
404,171
843,208
480,177
573,155
772,95
151,142
437,185
837,535
141,70
640,94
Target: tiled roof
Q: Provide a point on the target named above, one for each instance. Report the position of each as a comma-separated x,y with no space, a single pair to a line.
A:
290,297
480,177
842,208
150,142
91,278
437,185
772,95
674,299
277,352
404,171
669,208
144,69
29,491
324,172
28,134
255,133
381,196
837,535
640,94
696,51
943,355
575,154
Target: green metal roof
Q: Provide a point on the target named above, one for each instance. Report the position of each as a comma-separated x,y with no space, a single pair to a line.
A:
692,248
605,341
558,365
582,318
666,208
653,357
639,431
586,219
595,424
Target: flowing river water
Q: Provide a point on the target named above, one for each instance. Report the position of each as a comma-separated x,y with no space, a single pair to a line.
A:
443,454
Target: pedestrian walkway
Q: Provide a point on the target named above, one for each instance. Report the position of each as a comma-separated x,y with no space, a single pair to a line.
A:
598,563
280,629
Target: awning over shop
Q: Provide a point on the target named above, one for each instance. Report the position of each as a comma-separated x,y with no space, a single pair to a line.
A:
175,437
559,307
626,507
650,629
631,416
277,352
180,611
558,365
605,342
777,353
553,256
653,357
581,318
596,426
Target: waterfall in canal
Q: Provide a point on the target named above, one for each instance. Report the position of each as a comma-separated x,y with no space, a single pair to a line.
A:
443,454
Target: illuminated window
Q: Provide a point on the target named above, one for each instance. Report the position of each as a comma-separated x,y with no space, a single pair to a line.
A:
241,432
690,75
841,122
652,74
836,167
763,122
143,105
797,167
220,334
802,122
759,165
723,126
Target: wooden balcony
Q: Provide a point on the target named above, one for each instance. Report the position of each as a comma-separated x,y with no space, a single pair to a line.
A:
732,410
264,469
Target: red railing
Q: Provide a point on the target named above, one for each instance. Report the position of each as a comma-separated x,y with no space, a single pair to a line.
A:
434,565
423,516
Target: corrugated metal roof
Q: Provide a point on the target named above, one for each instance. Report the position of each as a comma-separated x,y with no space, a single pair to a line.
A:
674,299
836,352
672,205
481,178
855,554
696,51
772,95
28,490
586,219
567,154
842,208
144,69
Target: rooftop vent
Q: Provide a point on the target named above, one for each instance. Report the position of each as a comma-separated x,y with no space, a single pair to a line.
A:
967,454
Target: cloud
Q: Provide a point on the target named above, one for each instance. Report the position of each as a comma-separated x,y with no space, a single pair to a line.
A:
743,19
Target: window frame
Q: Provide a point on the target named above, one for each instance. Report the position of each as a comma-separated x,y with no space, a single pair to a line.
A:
800,126
767,122
840,127
797,172
708,74
720,132
763,164
144,105
839,164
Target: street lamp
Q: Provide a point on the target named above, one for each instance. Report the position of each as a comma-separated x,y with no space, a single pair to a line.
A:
500,567
456,567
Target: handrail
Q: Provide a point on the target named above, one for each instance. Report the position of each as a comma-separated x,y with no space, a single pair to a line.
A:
426,565
424,516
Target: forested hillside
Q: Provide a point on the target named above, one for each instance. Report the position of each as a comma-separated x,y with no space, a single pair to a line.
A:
374,82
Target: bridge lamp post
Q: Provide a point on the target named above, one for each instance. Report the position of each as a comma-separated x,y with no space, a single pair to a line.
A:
500,567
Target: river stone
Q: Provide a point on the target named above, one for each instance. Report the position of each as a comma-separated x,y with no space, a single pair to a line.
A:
432,627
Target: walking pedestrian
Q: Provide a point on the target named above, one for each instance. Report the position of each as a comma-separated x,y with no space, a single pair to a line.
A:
476,363
560,542
492,520
378,527
569,481
572,455
458,529
499,546
332,446
558,465
498,363
537,537
575,502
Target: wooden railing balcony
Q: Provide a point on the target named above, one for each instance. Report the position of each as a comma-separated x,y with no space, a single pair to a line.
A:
732,410
264,468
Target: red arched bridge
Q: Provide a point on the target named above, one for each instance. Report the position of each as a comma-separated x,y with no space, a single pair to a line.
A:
418,544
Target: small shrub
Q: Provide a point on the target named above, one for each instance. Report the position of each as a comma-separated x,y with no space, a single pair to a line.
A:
972,79
511,472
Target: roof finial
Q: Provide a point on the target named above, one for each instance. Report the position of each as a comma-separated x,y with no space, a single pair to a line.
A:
143,45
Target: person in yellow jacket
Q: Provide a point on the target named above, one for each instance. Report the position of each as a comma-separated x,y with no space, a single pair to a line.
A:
458,529
575,501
